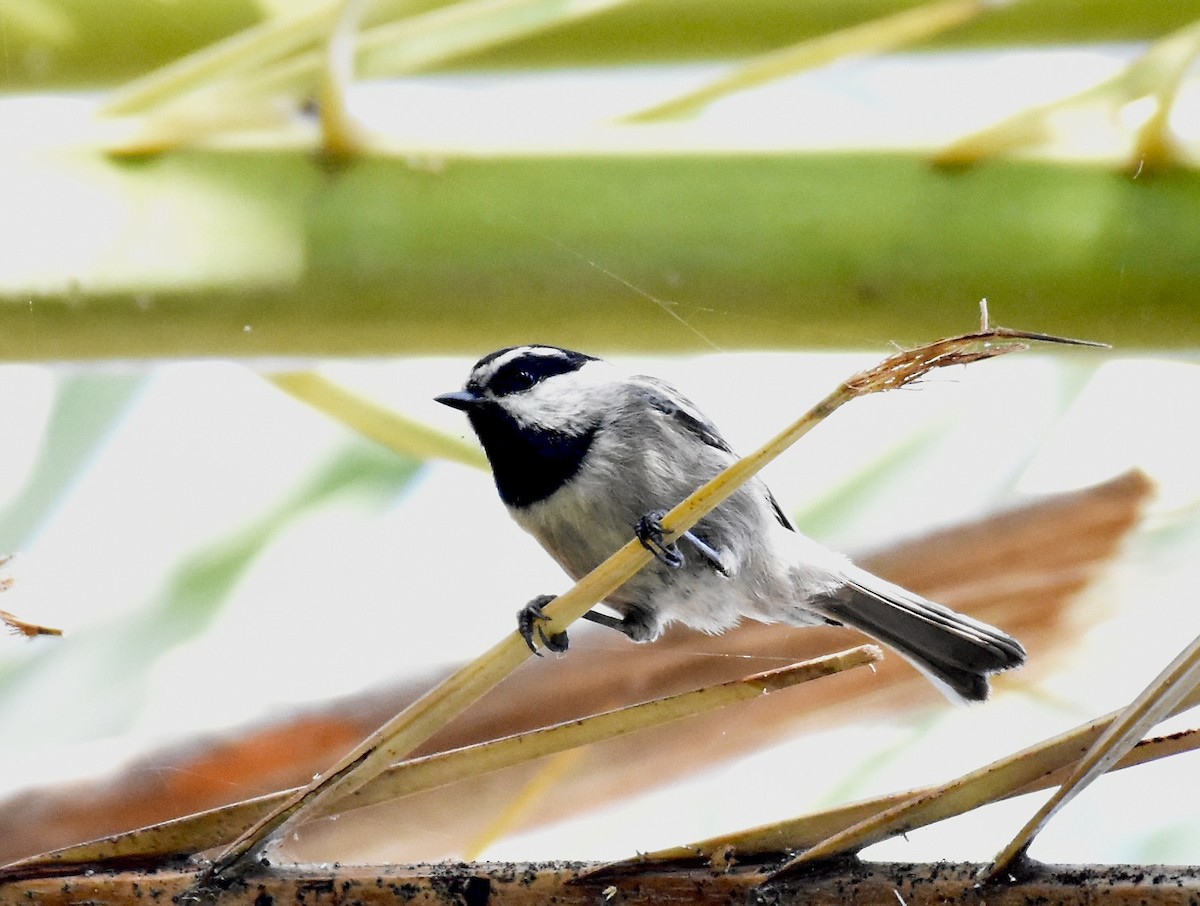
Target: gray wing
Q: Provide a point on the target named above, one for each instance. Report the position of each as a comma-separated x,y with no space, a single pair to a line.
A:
666,399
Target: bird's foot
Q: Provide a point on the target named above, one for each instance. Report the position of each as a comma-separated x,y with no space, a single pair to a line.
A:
650,532
529,620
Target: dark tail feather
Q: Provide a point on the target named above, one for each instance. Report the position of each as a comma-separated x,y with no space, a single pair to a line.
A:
955,651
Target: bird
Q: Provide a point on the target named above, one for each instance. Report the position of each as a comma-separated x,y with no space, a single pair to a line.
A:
585,456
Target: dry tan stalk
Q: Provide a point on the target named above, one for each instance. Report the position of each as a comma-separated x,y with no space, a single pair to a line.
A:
993,782
770,840
23,627
14,623
1162,698
206,830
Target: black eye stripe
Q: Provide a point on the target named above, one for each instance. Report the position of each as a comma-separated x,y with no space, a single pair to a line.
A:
529,369
523,373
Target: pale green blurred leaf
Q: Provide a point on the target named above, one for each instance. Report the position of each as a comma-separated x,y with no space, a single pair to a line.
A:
84,411
116,659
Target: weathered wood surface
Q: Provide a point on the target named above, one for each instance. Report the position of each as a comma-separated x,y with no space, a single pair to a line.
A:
498,884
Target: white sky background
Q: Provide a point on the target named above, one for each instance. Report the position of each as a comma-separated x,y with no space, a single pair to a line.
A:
210,445
919,101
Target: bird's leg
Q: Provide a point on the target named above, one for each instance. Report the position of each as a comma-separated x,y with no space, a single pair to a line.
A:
604,619
531,616
637,625
650,532
707,551
529,620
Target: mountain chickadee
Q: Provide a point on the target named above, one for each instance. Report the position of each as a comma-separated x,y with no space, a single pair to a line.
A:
583,456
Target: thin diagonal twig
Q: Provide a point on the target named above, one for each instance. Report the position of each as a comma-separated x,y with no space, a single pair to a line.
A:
1008,776
1160,699
876,36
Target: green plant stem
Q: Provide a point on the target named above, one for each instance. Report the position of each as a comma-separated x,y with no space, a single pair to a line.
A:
257,254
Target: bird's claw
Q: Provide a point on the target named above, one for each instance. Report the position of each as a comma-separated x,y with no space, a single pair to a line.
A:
650,532
529,620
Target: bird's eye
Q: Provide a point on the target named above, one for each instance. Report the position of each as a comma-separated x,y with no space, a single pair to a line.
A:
513,381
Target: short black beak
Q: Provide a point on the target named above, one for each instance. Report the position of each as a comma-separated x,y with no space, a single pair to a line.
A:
459,399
